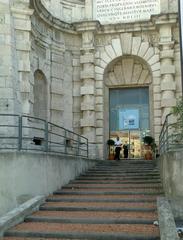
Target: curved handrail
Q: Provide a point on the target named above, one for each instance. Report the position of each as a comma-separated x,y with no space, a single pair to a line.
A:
25,132
171,135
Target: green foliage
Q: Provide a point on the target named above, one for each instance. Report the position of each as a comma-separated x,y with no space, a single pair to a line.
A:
178,112
110,142
178,125
148,140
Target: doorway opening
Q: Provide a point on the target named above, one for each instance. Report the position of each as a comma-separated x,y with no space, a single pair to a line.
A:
129,118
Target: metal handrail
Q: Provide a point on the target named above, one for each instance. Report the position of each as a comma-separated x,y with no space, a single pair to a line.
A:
171,135
23,132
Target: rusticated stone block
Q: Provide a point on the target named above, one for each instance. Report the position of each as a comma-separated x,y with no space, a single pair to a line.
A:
126,43
168,86
87,73
167,69
116,44
167,54
88,122
89,90
87,106
87,58
110,51
136,42
168,102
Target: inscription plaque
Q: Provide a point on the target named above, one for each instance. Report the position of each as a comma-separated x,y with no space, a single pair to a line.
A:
116,11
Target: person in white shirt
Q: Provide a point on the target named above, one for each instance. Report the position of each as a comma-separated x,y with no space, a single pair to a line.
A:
118,145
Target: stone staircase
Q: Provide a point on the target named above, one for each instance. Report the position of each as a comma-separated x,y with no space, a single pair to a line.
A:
114,200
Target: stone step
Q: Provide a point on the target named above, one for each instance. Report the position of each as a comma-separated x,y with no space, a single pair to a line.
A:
125,161
107,192
89,220
14,235
85,231
108,186
125,168
114,181
120,174
108,177
98,215
113,200
100,204
126,165
104,173
111,190
101,209
107,198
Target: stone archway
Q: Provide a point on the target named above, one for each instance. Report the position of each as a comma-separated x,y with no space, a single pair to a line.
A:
144,62
126,72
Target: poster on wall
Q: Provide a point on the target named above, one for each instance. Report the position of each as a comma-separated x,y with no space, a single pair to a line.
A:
128,119
116,11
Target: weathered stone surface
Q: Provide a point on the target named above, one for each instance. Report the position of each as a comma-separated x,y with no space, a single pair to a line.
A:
168,102
167,69
86,59
87,90
166,220
136,42
117,47
126,43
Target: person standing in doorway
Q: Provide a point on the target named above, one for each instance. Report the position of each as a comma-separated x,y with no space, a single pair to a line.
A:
125,150
118,145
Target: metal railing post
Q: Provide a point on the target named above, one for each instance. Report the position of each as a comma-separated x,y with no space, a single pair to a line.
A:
78,145
20,133
167,137
46,136
65,141
87,148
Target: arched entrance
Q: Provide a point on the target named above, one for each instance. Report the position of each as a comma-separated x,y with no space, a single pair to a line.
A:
128,102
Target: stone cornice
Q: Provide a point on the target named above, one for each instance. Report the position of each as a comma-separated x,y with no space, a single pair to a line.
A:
87,26
150,25
79,27
19,11
52,21
163,19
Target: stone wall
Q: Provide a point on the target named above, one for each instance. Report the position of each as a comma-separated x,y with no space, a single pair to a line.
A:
81,61
66,10
10,101
171,169
25,175
56,54
78,10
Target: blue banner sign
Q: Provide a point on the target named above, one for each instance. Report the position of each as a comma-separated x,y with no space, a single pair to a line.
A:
128,119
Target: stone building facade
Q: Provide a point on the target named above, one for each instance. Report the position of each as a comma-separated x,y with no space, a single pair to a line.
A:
59,63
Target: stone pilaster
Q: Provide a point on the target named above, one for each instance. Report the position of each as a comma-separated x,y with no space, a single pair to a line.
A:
87,91
168,85
89,9
22,24
9,86
57,85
